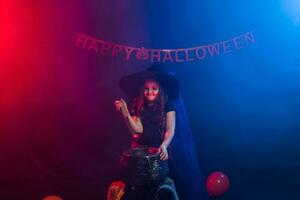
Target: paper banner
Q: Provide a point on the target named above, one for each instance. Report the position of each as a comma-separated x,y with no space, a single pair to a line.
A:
164,55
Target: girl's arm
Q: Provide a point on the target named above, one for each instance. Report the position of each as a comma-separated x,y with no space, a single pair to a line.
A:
169,134
133,122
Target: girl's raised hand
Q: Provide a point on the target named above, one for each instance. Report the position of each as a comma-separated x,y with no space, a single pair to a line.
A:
121,106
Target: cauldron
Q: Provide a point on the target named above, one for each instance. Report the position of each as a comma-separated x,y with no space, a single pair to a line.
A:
142,167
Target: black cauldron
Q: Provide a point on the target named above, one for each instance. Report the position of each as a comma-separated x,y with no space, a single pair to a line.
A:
142,167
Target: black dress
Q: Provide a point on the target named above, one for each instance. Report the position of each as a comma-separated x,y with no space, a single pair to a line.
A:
153,131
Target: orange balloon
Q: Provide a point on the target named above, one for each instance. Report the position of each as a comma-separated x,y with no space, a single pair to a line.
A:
52,197
116,190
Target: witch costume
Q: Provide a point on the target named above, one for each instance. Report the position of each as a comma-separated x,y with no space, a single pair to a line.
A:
182,162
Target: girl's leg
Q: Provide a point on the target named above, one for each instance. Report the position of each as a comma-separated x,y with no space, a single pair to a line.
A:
167,190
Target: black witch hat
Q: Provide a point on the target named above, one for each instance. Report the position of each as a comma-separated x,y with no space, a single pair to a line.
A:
132,83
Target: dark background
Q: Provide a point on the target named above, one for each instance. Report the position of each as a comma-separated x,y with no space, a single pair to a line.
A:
59,133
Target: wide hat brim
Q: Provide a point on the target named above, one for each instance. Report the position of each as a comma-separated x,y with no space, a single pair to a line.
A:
132,83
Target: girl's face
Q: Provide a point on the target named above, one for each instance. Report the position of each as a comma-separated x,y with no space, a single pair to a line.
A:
151,90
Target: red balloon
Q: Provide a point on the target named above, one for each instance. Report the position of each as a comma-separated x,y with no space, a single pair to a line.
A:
217,184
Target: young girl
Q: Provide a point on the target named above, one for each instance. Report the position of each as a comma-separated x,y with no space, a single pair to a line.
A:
152,116
152,121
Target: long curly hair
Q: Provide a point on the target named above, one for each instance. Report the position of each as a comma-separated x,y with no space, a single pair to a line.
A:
139,103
